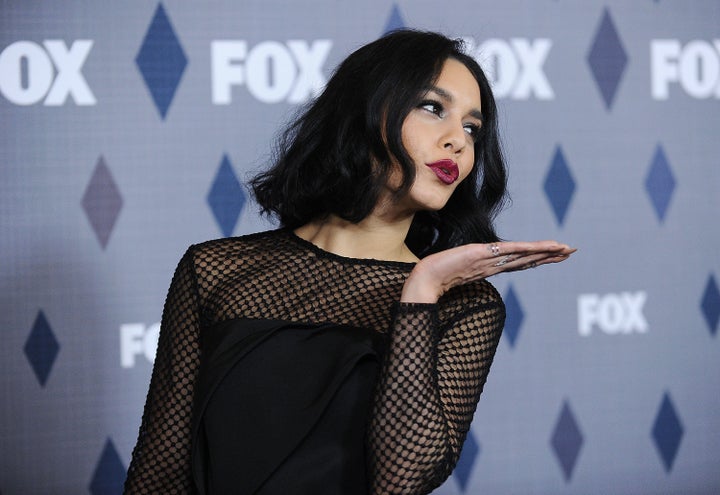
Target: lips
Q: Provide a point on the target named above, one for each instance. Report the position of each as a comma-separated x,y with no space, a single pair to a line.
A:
446,170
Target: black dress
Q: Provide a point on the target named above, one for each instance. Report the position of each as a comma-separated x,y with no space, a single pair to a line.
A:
302,392
284,369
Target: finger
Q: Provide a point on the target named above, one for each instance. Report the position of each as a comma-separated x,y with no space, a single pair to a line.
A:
494,249
524,247
480,257
523,258
533,261
527,261
505,260
513,263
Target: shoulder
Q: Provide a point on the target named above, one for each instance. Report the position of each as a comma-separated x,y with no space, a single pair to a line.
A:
223,256
238,247
478,299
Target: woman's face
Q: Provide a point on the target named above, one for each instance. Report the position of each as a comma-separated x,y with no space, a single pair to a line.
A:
439,135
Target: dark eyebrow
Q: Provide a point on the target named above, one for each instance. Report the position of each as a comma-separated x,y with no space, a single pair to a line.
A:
475,113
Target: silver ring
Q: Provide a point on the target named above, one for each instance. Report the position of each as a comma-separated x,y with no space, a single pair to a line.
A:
506,259
494,249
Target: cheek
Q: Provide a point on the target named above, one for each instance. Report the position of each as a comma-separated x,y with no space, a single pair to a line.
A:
409,142
467,166
412,135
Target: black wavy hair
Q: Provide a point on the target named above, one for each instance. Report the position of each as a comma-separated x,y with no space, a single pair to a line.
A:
336,157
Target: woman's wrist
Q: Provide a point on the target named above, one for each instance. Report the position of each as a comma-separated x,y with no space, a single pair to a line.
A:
419,288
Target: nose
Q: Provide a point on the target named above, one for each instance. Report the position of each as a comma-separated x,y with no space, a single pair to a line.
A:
455,137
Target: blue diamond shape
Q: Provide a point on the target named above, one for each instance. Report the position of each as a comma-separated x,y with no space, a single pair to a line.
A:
226,198
161,60
466,462
41,348
559,186
711,305
395,21
607,59
514,316
566,440
660,183
667,432
109,474
102,202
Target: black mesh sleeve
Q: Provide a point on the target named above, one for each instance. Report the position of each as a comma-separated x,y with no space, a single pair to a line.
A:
161,458
428,390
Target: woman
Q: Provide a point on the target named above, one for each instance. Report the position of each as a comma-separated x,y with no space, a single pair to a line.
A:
346,351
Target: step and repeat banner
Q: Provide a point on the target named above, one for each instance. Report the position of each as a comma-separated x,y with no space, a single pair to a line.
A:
130,129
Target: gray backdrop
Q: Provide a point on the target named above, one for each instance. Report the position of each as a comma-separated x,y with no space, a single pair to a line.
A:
129,128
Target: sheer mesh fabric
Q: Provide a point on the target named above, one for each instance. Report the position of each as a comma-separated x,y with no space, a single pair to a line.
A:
433,373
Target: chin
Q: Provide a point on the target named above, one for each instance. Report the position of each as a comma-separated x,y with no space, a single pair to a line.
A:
436,205
429,200
439,201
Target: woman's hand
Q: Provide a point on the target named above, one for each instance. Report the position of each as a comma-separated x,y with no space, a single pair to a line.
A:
436,274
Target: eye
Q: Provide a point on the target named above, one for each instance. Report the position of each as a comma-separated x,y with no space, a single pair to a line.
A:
432,106
473,130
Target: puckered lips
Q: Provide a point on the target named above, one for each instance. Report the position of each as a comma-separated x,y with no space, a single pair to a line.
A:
446,170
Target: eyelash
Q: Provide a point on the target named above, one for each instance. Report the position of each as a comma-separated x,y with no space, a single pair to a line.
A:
473,130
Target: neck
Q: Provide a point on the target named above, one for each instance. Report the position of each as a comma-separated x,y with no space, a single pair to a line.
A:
377,237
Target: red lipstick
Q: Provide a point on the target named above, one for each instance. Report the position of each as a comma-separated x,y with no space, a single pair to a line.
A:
446,170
